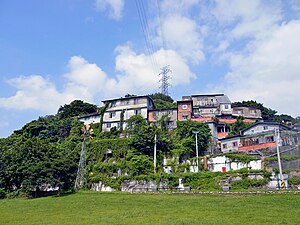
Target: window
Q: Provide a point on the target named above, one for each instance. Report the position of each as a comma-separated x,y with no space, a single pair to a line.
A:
108,125
136,101
265,127
224,146
114,103
226,106
118,125
270,139
184,117
184,107
234,144
112,114
137,111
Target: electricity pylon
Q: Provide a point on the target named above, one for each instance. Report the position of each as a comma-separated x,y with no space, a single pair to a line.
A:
81,175
165,77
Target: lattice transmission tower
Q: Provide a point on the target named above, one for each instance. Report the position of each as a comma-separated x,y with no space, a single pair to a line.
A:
81,175
164,80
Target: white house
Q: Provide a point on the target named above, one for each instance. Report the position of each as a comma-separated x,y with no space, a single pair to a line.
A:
90,118
127,106
261,127
230,144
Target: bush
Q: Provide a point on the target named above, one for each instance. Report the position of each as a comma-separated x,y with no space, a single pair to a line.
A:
247,183
2,193
294,181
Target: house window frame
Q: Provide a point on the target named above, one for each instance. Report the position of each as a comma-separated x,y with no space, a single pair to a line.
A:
112,115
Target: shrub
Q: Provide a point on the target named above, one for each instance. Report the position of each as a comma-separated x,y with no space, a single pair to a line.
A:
2,193
294,181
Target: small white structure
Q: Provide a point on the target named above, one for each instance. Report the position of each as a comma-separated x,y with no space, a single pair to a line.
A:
230,144
90,118
224,164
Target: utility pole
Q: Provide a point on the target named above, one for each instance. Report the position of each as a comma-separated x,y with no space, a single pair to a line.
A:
165,77
197,156
155,138
277,136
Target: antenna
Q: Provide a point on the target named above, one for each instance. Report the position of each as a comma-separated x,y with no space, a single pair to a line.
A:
165,77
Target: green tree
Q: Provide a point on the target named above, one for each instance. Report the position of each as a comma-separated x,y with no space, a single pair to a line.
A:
134,124
184,138
76,108
162,101
237,126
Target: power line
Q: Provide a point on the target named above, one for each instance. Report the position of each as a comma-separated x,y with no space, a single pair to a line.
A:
145,29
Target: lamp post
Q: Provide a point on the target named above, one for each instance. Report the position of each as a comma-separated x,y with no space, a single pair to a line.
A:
277,136
197,156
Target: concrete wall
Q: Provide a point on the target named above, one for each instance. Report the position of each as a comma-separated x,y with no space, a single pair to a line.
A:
222,163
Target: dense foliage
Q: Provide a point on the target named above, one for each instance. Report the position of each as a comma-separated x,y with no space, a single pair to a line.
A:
238,126
163,101
269,114
44,154
76,108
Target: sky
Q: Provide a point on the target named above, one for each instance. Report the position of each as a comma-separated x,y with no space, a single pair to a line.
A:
53,52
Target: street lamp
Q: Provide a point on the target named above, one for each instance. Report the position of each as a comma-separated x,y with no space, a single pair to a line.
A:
197,160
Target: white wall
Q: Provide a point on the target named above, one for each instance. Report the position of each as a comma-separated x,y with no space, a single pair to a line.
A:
260,128
217,163
90,119
230,144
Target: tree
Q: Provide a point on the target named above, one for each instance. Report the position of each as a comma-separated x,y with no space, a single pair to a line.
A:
143,140
185,138
134,124
76,108
163,101
237,126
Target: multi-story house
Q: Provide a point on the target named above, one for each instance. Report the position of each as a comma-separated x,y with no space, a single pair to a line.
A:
184,109
155,115
210,105
246,112
260,135
123,108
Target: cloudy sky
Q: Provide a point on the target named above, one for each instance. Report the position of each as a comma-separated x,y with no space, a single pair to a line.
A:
52,52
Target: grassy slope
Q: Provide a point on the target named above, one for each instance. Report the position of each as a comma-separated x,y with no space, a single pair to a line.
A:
125,208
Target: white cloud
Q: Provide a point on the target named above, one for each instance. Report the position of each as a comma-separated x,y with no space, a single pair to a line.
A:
136,72
241,20
181,7
184,36
114,7
270,74
33,92
88,82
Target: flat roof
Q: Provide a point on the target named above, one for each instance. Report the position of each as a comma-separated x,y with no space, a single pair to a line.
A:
209,95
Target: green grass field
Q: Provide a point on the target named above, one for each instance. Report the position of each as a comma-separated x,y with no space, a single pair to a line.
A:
126,208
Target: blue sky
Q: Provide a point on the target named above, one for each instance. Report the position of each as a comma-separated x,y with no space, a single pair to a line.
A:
52,52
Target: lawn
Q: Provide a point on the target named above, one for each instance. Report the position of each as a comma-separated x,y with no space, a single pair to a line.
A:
126,208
